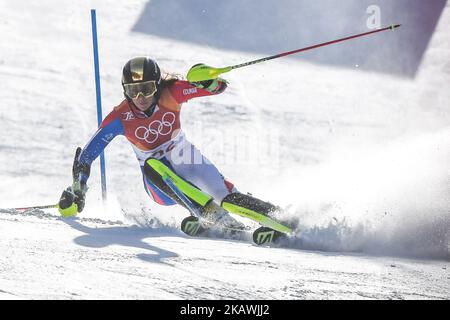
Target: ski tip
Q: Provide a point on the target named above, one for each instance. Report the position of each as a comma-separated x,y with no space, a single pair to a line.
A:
395,26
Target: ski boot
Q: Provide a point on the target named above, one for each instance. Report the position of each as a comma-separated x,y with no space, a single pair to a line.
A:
220,217
214,220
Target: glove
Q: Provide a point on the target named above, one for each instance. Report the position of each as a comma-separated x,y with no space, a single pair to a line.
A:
217,85
73,198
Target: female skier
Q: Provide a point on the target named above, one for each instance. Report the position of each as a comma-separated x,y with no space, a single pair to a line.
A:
149,118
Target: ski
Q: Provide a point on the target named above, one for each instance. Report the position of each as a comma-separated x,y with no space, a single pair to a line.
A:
199,227
195,227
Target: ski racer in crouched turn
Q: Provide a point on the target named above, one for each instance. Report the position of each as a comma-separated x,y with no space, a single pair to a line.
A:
149,118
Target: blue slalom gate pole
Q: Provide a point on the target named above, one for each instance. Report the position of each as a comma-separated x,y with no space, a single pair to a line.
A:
99,98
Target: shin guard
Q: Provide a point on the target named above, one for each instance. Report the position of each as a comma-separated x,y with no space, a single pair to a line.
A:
154,170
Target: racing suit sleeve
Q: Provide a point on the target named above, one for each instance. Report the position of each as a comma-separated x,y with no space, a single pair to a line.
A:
183,91
108,130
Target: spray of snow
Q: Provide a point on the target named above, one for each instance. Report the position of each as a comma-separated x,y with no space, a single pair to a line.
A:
386,199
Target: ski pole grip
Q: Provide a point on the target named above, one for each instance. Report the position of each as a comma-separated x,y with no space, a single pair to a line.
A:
202,72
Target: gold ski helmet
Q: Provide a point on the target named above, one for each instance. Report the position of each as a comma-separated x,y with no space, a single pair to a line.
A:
141,75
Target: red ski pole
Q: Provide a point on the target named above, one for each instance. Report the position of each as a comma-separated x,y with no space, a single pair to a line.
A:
203,72
51,206
392,27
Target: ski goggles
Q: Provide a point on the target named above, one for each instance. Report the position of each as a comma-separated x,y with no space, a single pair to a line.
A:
147,89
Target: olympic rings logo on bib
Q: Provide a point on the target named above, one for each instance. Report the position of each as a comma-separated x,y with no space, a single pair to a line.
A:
156,128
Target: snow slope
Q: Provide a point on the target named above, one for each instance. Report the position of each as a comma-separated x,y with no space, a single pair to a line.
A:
358,159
